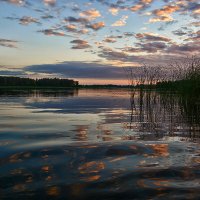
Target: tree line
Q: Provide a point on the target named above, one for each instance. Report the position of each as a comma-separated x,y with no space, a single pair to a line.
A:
44,82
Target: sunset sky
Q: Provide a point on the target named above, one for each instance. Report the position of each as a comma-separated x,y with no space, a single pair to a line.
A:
92,40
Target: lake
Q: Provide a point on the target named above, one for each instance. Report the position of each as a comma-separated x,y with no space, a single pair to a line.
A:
99,144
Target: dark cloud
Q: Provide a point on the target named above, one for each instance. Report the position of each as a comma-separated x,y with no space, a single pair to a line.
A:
80,44
12,73
47,16
194,8
115,36
166,24
129,34
195,37
196,24
179,32
113,55
79,70
124,57
134,6
81,20
159,51
52,32
187,49
151,37
96,26
8,43
151,47
25,20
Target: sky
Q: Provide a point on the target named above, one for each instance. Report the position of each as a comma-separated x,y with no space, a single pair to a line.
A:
93,41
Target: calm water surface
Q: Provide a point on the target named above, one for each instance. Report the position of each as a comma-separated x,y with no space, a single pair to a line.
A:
99,144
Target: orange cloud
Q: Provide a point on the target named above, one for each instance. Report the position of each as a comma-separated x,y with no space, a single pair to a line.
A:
136,7
163,14
113,11
91,14
121,22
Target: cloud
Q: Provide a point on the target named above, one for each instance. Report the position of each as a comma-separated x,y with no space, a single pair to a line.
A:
166,18
52,32
61,20
12,73
47,16
194,8
196,24
187,49
80,44
151,37
168,9
182,31
90,14
159,52
96,26
113,55
132,50
50,2
26,20
75,8
85,23
129,34
136,7
134,60
73,28
141,5
164,14
76,20
114,11
110,40
8,43
16,2
121,22
196,13
151,47
194,37
79,70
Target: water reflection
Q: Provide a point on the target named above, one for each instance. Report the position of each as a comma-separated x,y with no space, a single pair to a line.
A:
99,144
165,113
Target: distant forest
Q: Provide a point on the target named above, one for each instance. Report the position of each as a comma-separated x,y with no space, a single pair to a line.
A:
44,82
